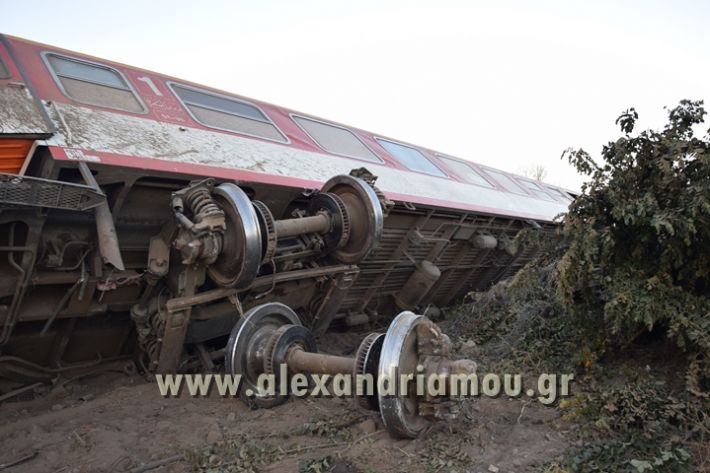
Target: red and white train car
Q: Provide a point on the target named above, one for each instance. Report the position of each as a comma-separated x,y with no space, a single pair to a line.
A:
142,213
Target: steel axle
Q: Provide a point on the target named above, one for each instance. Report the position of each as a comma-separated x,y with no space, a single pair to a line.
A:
300,361
319,223
271,336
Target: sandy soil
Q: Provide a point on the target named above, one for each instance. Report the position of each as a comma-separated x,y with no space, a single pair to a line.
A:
114,423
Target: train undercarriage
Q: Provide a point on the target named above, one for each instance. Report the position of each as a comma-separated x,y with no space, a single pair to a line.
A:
103,264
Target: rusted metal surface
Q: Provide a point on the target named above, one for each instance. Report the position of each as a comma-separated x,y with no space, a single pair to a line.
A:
46,193
298,226
418,285
23,272
303,362
259,283
333,297
177,322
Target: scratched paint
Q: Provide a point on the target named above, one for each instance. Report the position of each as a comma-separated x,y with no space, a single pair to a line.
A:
18,112
101,131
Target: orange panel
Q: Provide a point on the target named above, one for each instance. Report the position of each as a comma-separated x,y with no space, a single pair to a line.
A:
12,154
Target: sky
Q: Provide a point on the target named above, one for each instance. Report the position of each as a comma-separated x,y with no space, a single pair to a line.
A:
509,84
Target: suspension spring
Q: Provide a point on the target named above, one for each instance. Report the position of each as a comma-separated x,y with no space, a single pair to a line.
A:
202,205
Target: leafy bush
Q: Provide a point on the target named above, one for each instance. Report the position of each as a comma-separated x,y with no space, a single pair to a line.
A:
638,238
631,261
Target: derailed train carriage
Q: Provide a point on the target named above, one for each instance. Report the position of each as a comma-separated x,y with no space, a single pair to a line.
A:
142,215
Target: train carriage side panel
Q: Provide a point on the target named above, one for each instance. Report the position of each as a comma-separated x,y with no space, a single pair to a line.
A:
165,131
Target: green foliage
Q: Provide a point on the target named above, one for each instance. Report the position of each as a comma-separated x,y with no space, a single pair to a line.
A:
635,259
519,322
637,238
641,426
676,458
629,265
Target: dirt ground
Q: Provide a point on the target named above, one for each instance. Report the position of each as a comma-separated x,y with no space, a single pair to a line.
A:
114,423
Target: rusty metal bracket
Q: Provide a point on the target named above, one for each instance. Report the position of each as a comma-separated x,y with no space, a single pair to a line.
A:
178,303
335,293
178,320
105,229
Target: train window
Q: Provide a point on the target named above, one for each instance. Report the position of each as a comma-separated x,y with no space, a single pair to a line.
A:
412,158
465,171
94,84
226,113
536,189
4,72
505,181
336,139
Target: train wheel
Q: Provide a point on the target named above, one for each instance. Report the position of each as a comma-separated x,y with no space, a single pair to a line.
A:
365,217
399,357
240,258
246,349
